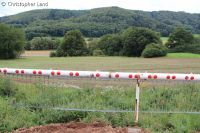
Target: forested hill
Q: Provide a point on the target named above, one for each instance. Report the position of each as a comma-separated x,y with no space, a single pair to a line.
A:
99,21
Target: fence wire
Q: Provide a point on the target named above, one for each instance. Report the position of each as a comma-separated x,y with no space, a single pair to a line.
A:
108,96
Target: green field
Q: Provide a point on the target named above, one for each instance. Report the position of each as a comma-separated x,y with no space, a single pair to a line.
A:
183,55
172,63
196,35
29,104
164,39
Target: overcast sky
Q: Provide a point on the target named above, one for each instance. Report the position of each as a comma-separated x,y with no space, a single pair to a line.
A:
191,6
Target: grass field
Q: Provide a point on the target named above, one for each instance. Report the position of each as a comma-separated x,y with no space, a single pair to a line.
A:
183,55
172,63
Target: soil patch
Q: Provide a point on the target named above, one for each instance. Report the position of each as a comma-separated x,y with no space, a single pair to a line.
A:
73,127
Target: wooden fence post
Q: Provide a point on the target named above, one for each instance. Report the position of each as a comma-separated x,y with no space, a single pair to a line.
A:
137,96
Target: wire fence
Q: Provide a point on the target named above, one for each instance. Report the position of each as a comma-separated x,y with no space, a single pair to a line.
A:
108,96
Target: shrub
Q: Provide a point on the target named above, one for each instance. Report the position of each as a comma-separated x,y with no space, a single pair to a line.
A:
60,52
92,45
43,43
27,45
7,88
11,42
98,52
179,37
12,118
192,48
135,40
52,54
111,44
73,44
154,50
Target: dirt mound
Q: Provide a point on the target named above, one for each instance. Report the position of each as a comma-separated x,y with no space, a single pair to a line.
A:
73,127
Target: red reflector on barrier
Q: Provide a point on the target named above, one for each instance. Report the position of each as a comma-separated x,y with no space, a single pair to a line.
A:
0,70
52,73
149,76
173,77
97,75
168,77
40,72
192,78
16,71
116,75
34,72
58,73
5,71
130,76
71,74
137,76
22,71
77,74
155,76
186,77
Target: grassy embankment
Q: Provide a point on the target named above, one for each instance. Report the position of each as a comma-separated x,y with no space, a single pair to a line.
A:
29,105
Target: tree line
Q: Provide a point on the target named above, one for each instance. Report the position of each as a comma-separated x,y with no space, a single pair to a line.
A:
100,21
132,42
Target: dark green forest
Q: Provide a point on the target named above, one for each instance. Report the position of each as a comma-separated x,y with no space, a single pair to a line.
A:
99,21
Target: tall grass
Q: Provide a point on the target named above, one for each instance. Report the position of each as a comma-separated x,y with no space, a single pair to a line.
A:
32,105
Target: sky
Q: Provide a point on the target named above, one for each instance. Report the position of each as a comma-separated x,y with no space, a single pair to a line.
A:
10,7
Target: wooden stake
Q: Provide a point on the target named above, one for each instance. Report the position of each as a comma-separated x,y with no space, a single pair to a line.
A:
137,96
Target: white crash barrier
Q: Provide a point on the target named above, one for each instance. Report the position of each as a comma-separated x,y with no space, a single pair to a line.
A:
100,74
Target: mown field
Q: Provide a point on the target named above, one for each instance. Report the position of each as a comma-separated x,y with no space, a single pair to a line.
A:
24,104
172,63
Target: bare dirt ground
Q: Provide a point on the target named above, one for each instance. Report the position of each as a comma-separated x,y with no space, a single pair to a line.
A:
78,127
36,53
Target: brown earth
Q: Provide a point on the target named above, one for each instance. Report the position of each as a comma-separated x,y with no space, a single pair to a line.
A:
73,127
78,127
36,53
